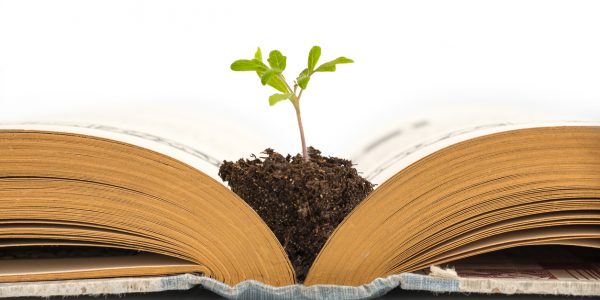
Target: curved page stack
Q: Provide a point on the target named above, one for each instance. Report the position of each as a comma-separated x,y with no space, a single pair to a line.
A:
459,195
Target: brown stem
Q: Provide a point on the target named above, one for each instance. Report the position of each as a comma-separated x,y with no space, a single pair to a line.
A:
296,103
297,108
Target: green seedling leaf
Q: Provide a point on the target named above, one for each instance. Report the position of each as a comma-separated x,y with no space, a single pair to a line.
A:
278,97
275,82
313,57
278,84
330,66
277,60
303,78
248,65
258,54
268,75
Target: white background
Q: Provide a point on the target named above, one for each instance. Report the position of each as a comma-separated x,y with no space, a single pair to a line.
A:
411,57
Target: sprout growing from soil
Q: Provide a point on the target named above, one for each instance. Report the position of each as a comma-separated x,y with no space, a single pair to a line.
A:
272,75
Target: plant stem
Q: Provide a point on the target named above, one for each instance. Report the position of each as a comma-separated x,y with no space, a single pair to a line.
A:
296,103
297,108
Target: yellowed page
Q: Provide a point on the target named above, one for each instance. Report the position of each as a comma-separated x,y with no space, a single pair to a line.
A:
200,138
396,143
95,267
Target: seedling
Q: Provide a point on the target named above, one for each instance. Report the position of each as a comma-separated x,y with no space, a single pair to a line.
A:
272,75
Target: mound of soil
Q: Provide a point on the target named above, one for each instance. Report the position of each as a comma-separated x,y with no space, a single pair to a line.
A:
302,202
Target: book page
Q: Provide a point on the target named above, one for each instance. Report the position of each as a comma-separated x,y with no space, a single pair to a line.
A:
548,262
200,140
397,144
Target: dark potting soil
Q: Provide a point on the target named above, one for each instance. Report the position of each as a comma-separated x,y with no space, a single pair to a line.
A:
302,202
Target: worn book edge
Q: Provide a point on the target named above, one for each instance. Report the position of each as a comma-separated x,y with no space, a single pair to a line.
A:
251,289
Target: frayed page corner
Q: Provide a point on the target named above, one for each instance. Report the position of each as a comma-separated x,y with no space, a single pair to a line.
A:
450,273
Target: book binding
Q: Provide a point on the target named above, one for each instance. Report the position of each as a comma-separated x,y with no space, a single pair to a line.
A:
251,289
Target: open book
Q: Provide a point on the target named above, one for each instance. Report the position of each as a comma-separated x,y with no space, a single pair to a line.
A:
444,193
